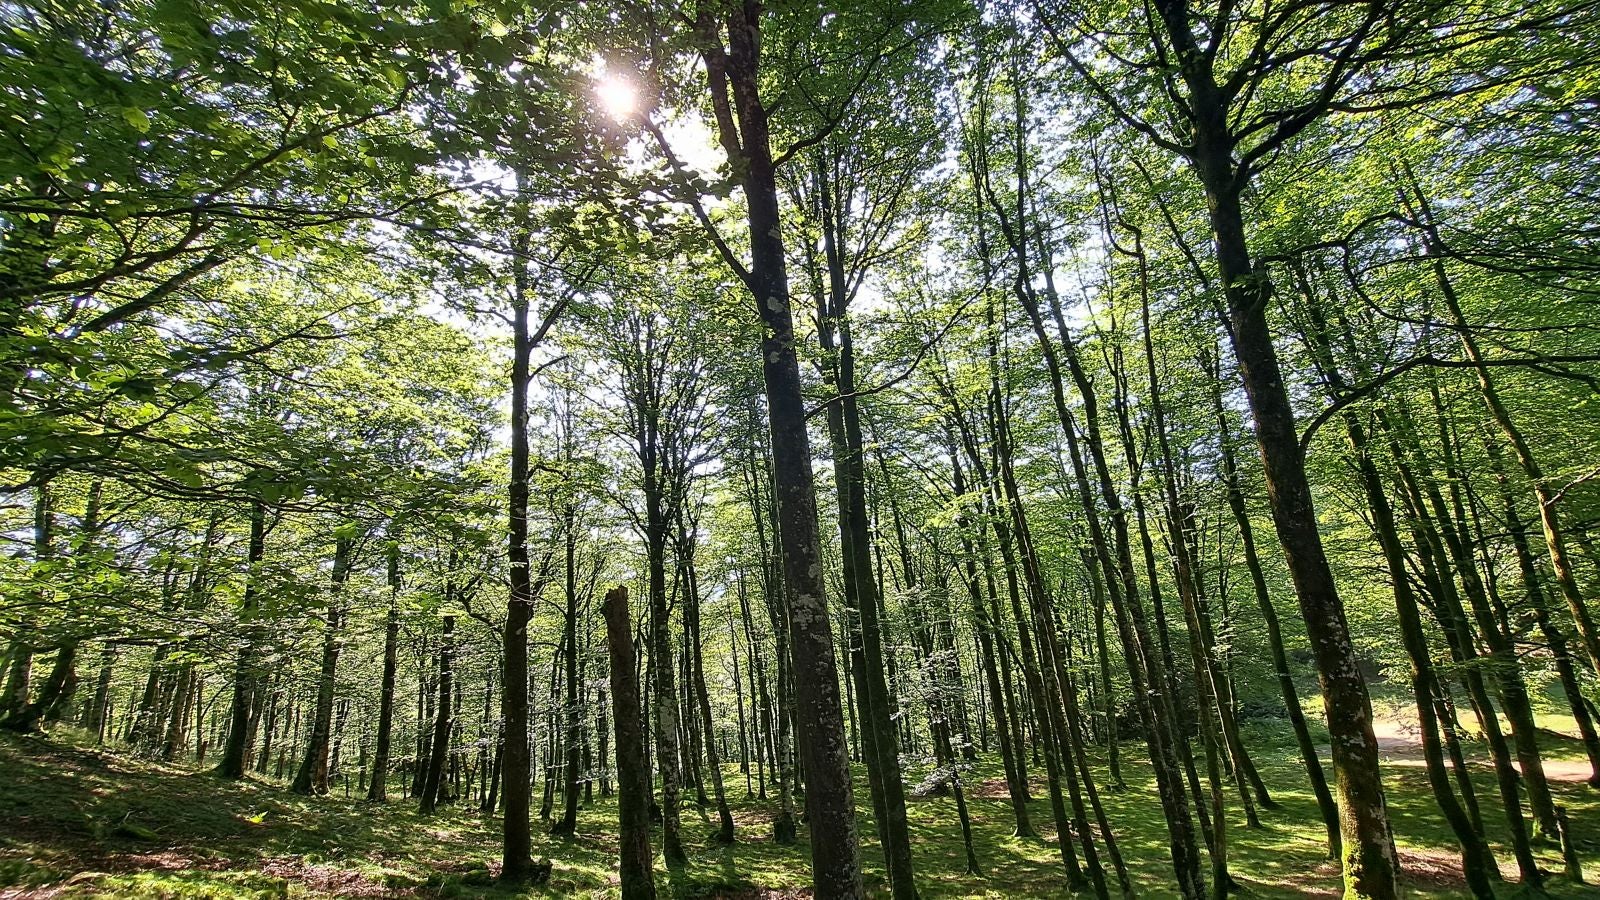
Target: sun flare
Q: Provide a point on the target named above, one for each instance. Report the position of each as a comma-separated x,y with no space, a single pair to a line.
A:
617,96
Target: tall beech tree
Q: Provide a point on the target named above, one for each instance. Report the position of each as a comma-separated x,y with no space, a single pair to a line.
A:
516,771
313,775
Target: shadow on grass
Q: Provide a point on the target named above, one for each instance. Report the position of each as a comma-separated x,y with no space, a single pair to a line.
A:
84,821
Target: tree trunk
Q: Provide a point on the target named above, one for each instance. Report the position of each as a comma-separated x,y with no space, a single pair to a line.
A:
378,786
986,628
14,699
663,672
1269,617
17,711
1370,865
433,784
178,723
51,691
98,719
313,775
1034,673
830,803
516,855
246,674
697,675
574,739
759,694
1144,658
1436,576
1211,683
860,588
636,862
1455,530
738,697
552,734
1476,862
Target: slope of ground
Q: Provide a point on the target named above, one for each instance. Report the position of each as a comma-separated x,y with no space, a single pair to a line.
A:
82,822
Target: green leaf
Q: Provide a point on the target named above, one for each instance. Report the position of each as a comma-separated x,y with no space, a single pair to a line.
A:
137,118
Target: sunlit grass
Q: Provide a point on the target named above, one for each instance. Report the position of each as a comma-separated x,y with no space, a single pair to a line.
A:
91,823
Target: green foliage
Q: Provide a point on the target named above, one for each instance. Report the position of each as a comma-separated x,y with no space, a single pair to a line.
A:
260,259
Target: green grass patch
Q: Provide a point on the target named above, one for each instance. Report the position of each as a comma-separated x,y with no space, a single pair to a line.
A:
85,822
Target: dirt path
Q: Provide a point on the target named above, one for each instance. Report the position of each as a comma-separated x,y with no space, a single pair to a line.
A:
1399,745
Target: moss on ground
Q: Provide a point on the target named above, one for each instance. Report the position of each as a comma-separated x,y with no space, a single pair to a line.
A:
75,821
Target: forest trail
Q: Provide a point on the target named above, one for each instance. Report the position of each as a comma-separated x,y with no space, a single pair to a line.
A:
1399,744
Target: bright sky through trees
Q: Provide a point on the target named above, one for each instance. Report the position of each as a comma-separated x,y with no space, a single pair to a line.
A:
618,96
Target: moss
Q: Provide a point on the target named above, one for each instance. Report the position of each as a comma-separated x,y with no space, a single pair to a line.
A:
195,836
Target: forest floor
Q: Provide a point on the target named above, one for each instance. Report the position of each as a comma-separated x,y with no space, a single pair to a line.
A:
77,821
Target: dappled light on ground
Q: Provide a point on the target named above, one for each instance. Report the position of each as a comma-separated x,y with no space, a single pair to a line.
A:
84,822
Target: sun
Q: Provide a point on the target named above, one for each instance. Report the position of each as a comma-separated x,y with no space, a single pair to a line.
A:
617,96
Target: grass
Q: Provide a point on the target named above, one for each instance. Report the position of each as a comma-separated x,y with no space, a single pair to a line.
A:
75,821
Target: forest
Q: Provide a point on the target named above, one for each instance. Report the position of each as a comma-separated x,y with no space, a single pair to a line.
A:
741,449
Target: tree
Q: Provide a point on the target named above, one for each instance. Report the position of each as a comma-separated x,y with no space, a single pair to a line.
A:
633,770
